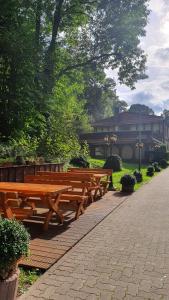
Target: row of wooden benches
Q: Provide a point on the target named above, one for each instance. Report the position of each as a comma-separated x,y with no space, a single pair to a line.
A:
86,186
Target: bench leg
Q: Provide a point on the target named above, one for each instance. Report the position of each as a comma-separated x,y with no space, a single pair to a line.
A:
48,218
53,205
100,193
80,210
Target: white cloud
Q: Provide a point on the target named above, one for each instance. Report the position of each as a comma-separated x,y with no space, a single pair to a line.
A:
156,45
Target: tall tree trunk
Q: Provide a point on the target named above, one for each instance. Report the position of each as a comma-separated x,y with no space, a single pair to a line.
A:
49,79
37,53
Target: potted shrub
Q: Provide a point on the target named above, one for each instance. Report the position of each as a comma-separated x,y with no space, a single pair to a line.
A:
138,175
128,182
14,244
150,171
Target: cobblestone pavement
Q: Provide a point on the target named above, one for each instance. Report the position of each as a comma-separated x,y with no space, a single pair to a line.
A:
125,257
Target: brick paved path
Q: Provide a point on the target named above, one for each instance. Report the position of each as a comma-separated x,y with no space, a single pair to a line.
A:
125,257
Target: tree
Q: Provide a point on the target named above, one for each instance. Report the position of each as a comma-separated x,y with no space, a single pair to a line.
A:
120,106
99,93
141,108
52,49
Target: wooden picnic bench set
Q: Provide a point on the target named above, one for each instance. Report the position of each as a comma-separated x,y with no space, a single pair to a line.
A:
56,191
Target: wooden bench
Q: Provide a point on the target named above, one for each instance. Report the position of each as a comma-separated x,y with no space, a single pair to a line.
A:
75,200
94,189
10,206
105,183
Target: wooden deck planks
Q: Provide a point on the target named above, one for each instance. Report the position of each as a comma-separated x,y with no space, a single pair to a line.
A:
47,248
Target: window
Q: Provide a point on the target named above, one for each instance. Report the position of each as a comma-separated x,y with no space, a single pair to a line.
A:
99,151
147,127
156,127
133,128
124,127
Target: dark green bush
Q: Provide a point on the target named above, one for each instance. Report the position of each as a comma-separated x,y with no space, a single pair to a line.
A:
113,162
156,167
163,163
150,171
138,175
127,180
80,162
14,244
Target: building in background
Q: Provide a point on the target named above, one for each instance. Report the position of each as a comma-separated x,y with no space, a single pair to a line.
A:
130,129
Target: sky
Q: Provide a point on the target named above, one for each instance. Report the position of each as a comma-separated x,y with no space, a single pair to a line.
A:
153,91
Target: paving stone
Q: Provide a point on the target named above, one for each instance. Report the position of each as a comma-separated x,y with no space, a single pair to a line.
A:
125,257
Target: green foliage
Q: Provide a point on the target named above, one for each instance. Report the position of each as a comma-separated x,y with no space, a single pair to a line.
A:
150,171
27,278
156,167
138,175
119,106
14,242
113,162
79,162
128,180
99,93
141,109
163,163
96,163
53,57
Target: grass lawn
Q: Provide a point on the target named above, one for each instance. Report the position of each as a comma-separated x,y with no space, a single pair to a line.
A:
128,168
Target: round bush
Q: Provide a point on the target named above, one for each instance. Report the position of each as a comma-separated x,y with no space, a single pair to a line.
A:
156,167
150,171
138,175
163,163
79,162
113,162
128,182
14,244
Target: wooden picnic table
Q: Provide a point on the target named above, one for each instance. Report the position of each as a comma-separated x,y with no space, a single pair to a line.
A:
94,178
97,178
49,194
108,183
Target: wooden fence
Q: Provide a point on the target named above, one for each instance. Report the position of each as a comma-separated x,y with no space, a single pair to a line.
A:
17,173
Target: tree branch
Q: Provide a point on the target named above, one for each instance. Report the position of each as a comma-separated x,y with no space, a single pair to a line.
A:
83,64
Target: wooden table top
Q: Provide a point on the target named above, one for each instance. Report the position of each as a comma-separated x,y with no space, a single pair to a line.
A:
33,187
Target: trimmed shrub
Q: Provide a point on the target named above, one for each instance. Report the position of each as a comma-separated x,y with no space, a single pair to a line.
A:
14,244
150,171
128,182
163,163
79,162
138,175
156,167
113,162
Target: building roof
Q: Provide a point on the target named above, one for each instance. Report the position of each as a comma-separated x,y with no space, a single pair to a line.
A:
128,118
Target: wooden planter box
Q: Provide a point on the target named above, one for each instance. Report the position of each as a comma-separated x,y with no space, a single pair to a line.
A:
17,173
8,287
